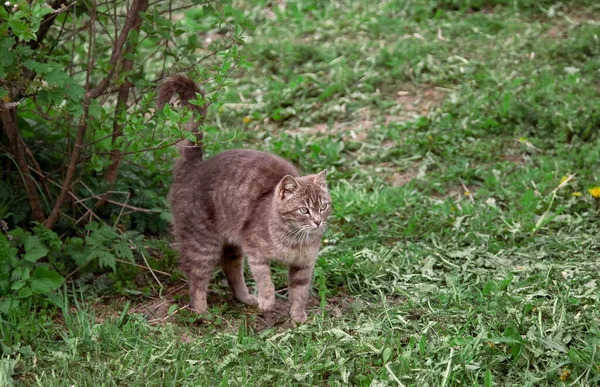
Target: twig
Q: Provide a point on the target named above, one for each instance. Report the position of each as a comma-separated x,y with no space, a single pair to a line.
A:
529,145
567,180
147,149
538,224
116,52
440,36
144,267
394,378
163,319
18,151
38,170
123,95
124,205
149,268
448,368
81,130
467,191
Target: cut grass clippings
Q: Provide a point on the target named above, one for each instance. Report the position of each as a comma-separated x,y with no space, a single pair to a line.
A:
480,268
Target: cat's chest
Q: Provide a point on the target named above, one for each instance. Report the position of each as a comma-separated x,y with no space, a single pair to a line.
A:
300,256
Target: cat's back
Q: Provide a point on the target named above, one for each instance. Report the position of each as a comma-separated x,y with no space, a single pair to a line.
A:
239,165
235,177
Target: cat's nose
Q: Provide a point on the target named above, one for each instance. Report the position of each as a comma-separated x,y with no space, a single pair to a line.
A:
317,222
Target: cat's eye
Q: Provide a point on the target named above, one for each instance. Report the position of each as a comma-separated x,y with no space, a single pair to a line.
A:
303,210
323,206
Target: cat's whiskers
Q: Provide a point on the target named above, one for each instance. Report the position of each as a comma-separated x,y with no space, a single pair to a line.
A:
329,229
296,235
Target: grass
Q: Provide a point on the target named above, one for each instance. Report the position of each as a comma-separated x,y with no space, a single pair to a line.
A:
459,258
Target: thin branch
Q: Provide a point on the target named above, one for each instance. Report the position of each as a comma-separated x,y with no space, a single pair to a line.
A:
17,146
116,53
149,268
123,95
80,135
147,149
144,267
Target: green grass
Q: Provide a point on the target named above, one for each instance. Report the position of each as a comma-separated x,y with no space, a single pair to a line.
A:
421,284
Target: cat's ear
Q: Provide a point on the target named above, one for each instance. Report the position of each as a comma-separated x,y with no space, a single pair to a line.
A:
321,178
287,186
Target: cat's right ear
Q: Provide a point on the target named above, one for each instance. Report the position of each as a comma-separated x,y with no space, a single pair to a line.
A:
287,186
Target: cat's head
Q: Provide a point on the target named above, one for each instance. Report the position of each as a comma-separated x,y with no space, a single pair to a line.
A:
303,203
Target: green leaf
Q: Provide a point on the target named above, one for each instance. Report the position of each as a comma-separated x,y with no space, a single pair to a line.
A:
75,92
18,27
387,353
49,237
34,249
17,285
97,163
41,11
505,282
44,280
25,292
105,259
4,247
123,251
7,57
39,68
7,304
58,78
330,90
488,380
81,257
488,287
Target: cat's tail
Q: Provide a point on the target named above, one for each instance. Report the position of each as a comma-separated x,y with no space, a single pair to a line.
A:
187,90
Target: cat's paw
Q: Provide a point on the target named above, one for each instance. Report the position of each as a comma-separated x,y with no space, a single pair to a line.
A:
298,316
266,303
199,308
198,305
250,300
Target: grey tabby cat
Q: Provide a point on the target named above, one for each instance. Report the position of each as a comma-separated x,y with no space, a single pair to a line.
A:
243,201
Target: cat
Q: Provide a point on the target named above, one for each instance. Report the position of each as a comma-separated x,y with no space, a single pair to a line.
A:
243,202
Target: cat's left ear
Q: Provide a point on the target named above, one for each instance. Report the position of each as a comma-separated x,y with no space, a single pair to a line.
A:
321,178
287,186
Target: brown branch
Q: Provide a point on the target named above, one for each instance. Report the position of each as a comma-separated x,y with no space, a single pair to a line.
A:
168,145
8,114
123,96
38,169
72,166
17,146
132,14
79,137
92,93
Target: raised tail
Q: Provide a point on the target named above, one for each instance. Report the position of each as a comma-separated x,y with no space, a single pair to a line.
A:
187,90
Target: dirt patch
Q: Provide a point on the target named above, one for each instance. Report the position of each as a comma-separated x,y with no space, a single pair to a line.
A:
399,179
157,310
515,159
162,310
555,32
410,105
420,102
351,130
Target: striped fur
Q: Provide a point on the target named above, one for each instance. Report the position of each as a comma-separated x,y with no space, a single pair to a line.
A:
245,202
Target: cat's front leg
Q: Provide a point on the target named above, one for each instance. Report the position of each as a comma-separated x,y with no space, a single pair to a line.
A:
262,276
299,289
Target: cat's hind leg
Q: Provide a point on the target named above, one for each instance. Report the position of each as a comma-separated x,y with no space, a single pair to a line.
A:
232,263
198,261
